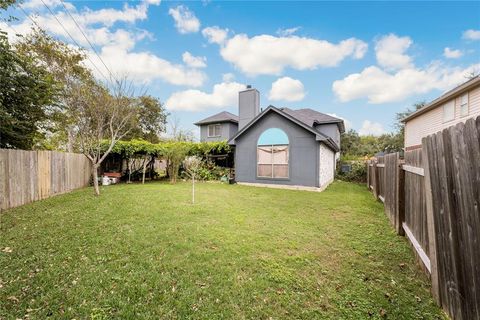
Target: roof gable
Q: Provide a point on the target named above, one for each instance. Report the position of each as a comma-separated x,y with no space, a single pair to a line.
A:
318,135
223,116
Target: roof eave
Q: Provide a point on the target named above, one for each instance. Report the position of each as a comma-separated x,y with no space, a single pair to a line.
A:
448,96
218,121
339,123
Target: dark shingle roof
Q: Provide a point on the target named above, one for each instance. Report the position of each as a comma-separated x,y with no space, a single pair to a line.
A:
306,118
311,117
223,116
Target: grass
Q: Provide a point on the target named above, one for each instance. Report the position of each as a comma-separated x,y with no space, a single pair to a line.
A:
144,251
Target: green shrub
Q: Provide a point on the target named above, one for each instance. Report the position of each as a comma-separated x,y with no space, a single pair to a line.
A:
210,171
358,172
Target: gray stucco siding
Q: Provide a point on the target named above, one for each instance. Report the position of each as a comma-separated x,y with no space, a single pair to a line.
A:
303,153
228,129
330,130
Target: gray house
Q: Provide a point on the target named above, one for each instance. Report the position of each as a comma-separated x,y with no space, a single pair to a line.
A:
221,126
277,146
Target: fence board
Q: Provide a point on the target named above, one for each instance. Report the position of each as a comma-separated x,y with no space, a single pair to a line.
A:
380,167
27,176
415,204
430,227
454,168
3,181
442,211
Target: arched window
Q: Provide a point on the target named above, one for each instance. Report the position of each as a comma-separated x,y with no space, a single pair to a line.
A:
272,154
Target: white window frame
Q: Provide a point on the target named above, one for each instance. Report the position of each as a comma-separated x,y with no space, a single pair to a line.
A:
273,164
215,133
448,105
464,105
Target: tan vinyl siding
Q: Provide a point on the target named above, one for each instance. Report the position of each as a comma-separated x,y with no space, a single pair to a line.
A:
432,121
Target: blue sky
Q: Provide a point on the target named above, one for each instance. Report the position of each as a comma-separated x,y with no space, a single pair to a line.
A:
362,61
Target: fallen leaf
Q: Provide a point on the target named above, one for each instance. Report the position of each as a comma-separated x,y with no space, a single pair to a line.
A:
7,250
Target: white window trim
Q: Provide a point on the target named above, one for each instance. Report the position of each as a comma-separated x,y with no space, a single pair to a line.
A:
273,164
467,104
449,103
214,126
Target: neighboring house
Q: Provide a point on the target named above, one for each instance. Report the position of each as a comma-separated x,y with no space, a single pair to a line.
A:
457,105
280,146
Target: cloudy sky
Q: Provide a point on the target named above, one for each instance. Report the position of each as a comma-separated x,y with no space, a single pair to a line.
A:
362,61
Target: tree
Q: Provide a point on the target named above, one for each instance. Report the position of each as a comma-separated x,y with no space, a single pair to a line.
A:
100,116
179,134
152,119
25,92
192,166
4,4
65,64
174,153
350,142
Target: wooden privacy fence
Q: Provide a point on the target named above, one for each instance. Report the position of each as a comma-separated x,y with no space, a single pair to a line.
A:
432,196
27,176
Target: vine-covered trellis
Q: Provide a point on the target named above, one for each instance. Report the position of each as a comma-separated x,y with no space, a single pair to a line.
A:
137,157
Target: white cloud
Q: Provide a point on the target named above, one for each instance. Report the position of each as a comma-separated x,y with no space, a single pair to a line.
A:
287,32
38,4
144,67
471,34
185,20
215,34
115,45
371,128
452,54
194,62
223,95
390,52
228,77
266,54
346,122
287,89
379,86
154,2
96,24
396,77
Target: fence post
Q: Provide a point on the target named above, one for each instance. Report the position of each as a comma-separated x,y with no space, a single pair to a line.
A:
399,196
368,174
430,225
375,179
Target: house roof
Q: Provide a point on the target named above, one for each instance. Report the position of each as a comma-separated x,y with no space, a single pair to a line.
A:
475,81
300,119
223,116
311,117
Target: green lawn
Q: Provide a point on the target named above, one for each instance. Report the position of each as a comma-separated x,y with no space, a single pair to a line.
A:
144,251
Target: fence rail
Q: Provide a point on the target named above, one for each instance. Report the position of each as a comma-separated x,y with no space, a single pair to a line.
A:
432,196
27,176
